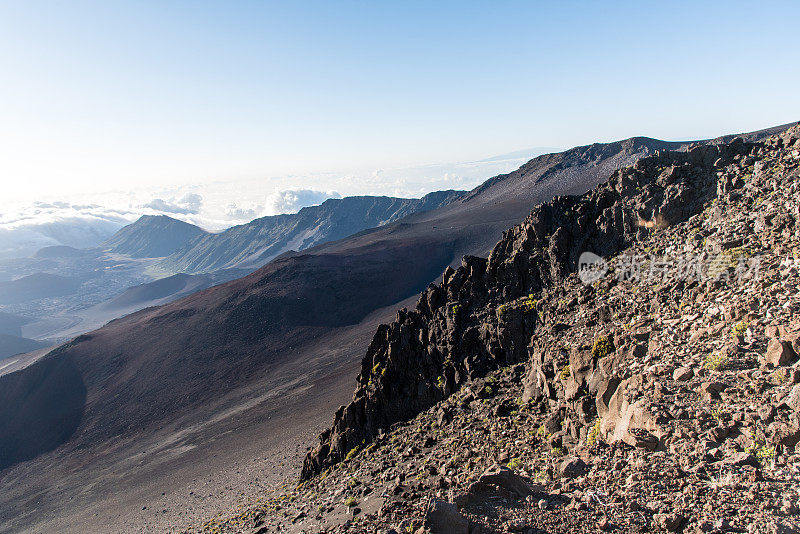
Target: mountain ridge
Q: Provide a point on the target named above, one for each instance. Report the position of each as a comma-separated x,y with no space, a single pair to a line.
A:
220,346
605,224
152,236
253,244
521,395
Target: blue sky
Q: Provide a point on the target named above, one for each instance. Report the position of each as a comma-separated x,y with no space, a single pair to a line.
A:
116,95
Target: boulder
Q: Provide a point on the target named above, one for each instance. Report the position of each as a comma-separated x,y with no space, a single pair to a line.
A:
507,479
669,522
572,467
581,365
792,400
641,439
626,416
741,459
536,386
710,390
683,374
779,353
793,338
442,517
785,434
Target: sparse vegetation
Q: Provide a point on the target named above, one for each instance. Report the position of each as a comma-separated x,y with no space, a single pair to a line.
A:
717,362
525,304
440,382
779,377
603,346
739,328
565,372
593,436
352,452
685,327
764,453
350,502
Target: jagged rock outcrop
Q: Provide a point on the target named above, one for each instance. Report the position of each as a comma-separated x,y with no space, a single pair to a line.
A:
484,314
644,402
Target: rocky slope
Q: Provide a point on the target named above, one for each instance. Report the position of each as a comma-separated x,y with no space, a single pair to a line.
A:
255,243
661,394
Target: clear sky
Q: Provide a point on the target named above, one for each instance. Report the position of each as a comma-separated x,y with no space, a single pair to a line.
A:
106,94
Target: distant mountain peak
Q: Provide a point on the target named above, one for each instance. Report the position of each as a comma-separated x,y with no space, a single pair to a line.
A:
153,236
253,244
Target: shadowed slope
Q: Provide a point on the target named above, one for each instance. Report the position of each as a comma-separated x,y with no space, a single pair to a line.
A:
43,407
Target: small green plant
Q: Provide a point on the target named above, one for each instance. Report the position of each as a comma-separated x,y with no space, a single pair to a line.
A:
455,309
593,435
514,463
739,328
779,377
727,259
541,431
558,452
717,415
540,476
565,372
352,453
762,452
603,346
350,502
524,304
488,391
440,382
717,362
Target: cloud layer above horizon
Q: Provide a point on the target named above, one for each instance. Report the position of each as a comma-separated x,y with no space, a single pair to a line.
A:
28,227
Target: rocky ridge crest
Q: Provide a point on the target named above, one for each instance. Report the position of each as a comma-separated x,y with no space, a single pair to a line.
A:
517,397
476,320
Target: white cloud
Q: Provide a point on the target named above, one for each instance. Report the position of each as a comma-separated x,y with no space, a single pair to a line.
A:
86,220
26,230
190,203
234,212
291,201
